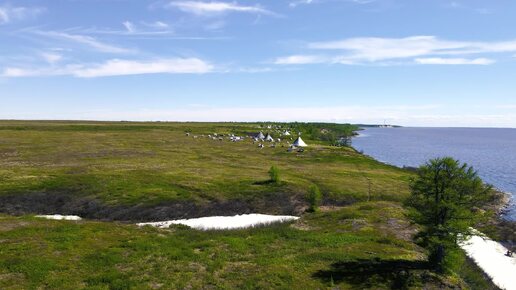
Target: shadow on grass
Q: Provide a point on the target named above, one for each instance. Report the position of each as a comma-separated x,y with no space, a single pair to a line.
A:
266,182
394,274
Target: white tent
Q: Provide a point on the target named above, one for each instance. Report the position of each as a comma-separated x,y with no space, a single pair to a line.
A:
286,133
260,135
269,138
299,142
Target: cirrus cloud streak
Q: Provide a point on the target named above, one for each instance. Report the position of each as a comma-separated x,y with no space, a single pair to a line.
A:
407,50
10,14
116,67
210,8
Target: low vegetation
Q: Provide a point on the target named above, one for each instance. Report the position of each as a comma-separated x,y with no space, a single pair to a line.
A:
314,198
356,236
68,255
113,165
274,174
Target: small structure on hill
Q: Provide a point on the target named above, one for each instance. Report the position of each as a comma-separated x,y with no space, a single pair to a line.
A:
299,142
260,136
286,133
269,138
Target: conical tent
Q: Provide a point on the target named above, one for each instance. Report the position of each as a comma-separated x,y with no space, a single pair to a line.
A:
268,137
299,142
286,133
260,135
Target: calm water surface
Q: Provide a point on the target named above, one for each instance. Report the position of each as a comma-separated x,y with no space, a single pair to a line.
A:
491,151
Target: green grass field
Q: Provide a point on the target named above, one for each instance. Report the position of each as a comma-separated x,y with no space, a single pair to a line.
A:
359,239
130,164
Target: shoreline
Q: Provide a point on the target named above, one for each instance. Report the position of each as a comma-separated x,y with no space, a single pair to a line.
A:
502,208
504,226
487,250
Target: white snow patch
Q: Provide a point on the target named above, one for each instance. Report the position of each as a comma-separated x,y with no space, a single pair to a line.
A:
225,222
60,217
490,257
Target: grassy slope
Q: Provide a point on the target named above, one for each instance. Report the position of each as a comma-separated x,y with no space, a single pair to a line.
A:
151,163
122,163
68,254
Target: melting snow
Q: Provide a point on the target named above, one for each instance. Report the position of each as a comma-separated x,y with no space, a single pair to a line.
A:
225,222
490,256
60,217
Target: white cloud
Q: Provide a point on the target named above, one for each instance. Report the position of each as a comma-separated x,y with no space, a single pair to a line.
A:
12,72
156,24
299,59
129,26
146,29
454,61
211,8
306,2
4,16
86,40
51,57
374,48
300,2
9,14
414,49
117,67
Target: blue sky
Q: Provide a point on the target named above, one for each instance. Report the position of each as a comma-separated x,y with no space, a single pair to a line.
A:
421,63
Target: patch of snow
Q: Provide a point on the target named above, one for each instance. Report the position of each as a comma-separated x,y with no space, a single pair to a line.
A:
225,222
490,257
60,217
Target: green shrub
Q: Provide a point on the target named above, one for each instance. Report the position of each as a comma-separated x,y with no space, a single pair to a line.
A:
445,194
274,174
314,198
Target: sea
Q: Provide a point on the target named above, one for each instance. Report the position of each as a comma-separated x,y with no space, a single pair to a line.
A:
491,151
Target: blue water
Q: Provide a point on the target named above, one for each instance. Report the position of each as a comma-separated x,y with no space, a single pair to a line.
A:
492,152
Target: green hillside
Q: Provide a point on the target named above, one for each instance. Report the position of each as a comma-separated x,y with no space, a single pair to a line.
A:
114,174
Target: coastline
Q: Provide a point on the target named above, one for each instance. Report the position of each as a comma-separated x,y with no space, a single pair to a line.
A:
498,228
487,249
486,150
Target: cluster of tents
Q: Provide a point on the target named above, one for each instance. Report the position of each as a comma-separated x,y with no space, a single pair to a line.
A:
268,138
260,137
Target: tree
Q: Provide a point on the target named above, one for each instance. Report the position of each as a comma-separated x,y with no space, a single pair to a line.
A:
314,198
274,174
446,196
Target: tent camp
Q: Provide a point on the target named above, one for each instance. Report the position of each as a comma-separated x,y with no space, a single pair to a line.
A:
260,136
269,138
299,142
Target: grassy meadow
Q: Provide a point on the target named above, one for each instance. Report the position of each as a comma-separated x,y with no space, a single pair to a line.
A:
359,239
127,163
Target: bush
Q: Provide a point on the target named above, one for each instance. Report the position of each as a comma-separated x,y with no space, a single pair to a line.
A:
314,198
274,174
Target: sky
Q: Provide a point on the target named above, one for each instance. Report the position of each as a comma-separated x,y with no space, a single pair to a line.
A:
404,62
